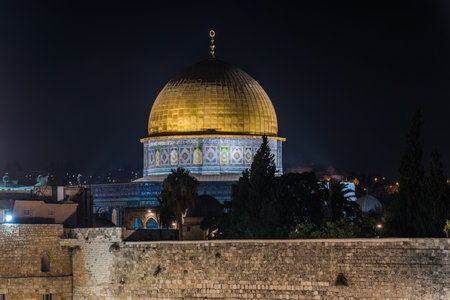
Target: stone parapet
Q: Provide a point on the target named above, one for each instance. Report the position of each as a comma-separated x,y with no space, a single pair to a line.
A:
266,269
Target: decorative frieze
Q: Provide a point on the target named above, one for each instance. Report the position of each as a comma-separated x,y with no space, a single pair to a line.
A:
205,154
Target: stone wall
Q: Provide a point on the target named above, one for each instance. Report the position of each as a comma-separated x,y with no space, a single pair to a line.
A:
93,261
107,268
104,267
21,251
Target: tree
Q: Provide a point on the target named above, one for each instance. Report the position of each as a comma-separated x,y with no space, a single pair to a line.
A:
405,214
265,206
179,194
216,224
253,212
437,196
447,228
338,203
339,229
300,198
341,217
372,223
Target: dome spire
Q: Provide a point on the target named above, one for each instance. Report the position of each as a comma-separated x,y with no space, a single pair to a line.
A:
212,34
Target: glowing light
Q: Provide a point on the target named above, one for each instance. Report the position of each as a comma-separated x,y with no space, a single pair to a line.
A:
149,210
375,179
199,102
379,226
8,218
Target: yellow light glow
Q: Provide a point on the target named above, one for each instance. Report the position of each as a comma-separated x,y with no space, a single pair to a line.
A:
212,97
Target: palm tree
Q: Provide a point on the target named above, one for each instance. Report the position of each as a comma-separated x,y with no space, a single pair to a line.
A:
179,194
338,203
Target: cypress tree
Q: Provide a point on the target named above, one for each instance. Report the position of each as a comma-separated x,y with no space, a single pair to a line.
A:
437,195
254,210
405,215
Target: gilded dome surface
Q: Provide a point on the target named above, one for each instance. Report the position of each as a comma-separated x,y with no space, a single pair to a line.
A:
211,97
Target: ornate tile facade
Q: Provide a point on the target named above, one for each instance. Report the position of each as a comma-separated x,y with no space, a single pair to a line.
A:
173,156
145,158
197,155
236,155
157,156
151,157
185,156
248,155
224,155
209,154
164,157
115,197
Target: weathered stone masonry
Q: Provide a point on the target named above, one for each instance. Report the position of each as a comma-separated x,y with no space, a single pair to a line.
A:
21,251
106,268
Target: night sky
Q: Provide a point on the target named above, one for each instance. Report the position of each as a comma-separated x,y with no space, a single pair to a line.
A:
77,80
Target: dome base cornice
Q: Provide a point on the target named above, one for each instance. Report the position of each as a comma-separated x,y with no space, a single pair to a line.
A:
187,136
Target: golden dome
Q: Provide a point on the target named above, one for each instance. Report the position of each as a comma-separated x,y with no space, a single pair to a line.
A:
211,97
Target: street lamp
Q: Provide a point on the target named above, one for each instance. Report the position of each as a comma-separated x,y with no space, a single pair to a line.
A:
378,229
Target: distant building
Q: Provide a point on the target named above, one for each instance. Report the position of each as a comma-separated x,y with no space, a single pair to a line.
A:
42,204
41,212
369,203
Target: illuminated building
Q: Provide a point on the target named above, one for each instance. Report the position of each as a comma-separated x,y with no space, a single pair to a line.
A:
209,119
43,204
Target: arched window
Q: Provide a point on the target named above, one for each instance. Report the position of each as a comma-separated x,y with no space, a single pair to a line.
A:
137,224
114,217
152,224
103,212
45,263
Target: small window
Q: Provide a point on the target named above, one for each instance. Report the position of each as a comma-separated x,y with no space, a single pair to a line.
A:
188,229
26,212
137,224
51,212
45,263
152,224
47,297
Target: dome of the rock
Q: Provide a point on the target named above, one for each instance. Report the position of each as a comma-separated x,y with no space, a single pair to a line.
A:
209,120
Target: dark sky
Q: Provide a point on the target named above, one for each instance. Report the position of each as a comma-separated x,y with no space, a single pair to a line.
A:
78,79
